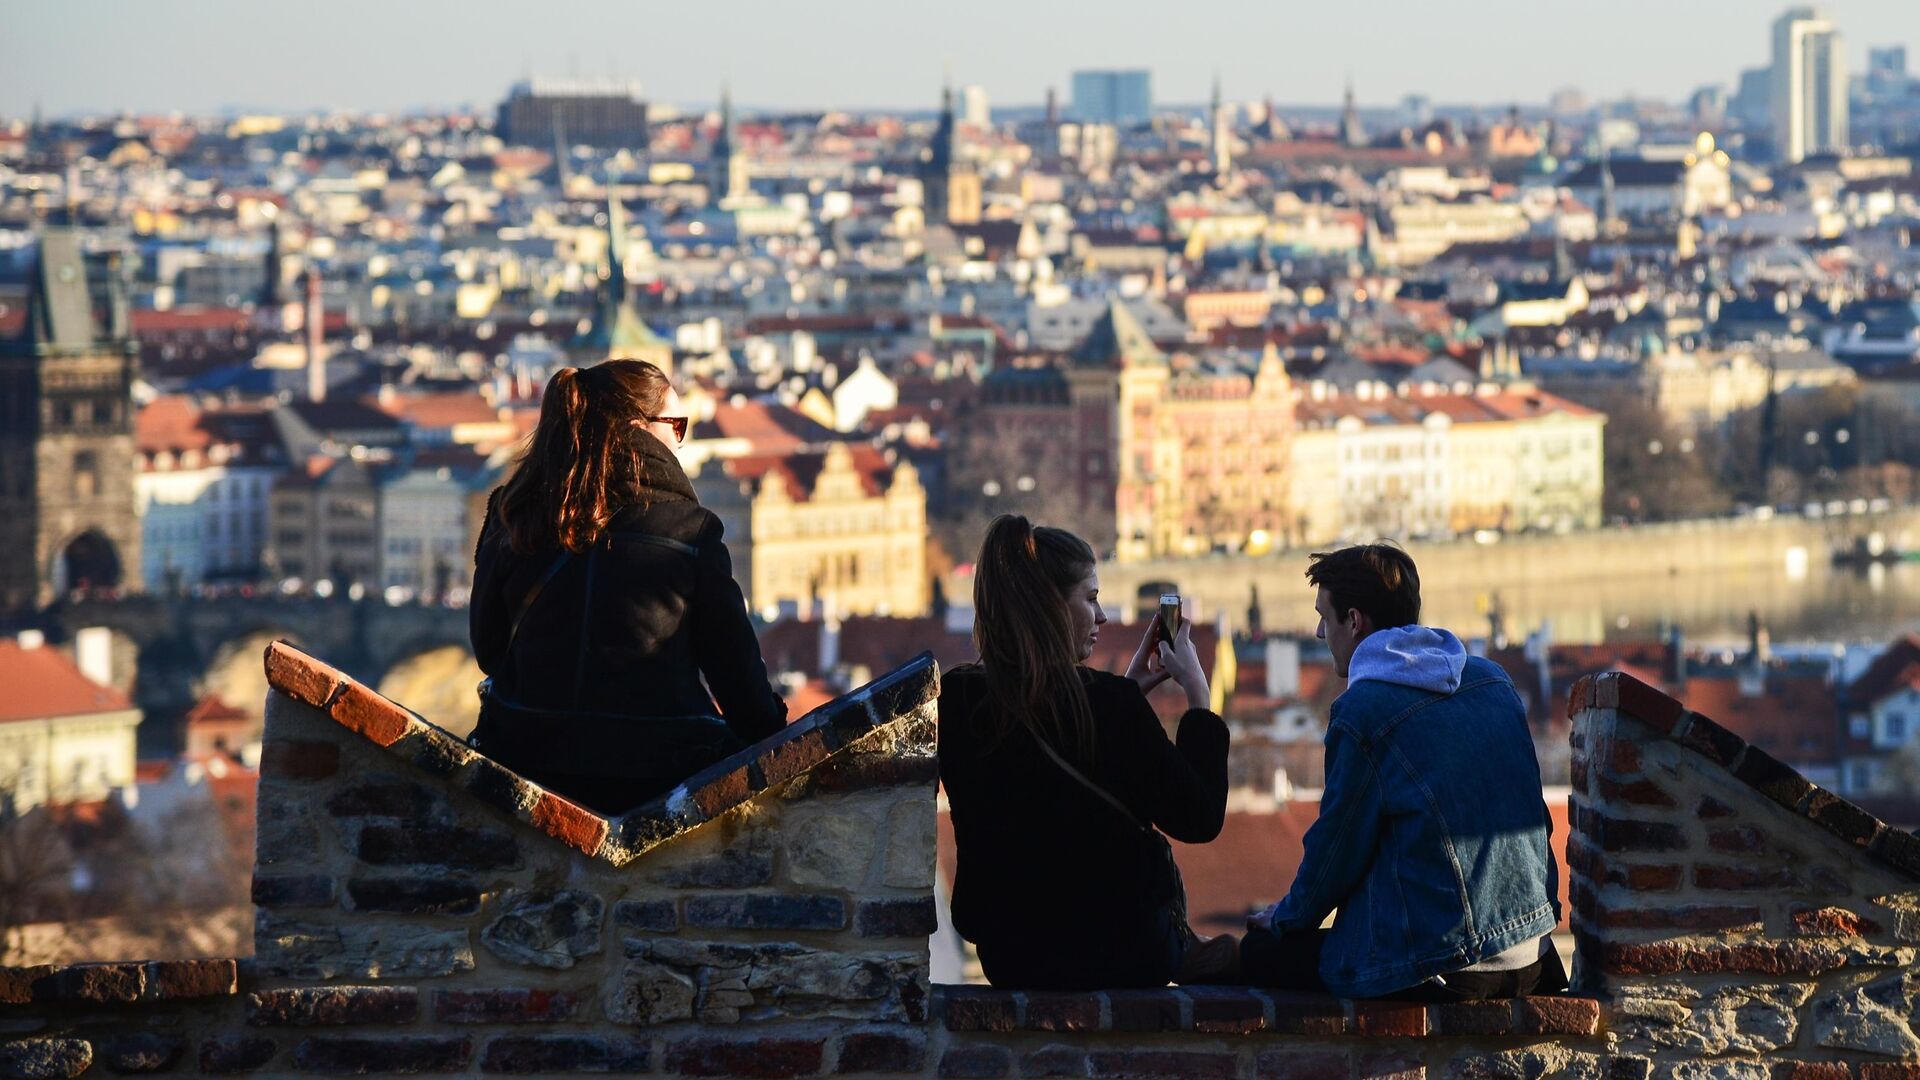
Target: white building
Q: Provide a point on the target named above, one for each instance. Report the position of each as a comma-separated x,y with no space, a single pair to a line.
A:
862,391
426,517
202,493
1809,85
65,734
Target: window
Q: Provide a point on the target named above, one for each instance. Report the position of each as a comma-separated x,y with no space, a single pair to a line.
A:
1896,727
86,474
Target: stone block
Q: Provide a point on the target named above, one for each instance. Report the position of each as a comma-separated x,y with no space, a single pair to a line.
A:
897,918
333,1006
546,928
284,834
832,850
1873,1019
499,787
864,1052
226,1055
647,916
139,1052
1544,1060
1054,1060
1145,1010
766,1057
388,797
45,1059
651,994
734,868
766,912
565,1053
1832,922
449,846
358,950
910,845
422,895
1388,1065
975,1063
293,890
405,1054
1301,1064
100,984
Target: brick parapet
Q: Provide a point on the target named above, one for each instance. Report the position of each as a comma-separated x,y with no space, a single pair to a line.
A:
1727,908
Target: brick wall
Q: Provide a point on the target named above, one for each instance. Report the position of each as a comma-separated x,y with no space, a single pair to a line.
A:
1730,913
422,910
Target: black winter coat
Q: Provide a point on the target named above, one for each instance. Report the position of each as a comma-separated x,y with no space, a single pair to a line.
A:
1054,886
603,679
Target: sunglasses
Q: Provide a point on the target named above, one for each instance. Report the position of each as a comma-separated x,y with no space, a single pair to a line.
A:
677,423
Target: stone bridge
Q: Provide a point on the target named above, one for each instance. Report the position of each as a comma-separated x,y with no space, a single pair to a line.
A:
168,651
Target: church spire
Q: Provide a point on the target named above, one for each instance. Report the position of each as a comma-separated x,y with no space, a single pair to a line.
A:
1220,138
1351,131
728,165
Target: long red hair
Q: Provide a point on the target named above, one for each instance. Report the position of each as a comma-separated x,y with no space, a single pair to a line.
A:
583,462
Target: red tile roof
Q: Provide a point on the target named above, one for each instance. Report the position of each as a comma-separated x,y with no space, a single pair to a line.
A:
42,683
169,424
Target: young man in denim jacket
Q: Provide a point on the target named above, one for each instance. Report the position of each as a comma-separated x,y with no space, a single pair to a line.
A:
1432,840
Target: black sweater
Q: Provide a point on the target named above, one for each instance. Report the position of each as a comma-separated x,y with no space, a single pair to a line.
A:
1042,862
627,628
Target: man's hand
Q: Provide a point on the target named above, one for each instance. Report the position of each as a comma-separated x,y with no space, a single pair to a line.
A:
1145,668
1263,919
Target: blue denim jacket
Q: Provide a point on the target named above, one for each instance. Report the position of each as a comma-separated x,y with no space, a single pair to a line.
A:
1432,839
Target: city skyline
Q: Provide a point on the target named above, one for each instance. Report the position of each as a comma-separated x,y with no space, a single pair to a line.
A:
370,58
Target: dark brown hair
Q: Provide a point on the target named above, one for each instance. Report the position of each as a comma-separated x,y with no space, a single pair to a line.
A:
1024,633
1379,580
583,462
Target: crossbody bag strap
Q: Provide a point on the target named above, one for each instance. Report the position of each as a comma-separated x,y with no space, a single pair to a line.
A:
1067,767
533,594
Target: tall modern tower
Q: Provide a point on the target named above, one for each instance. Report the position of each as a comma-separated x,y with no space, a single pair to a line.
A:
1809,85
1220,134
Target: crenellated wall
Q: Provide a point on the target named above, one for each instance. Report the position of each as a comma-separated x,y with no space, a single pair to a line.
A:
422,910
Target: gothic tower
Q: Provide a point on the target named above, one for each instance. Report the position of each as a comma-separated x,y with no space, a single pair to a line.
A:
728,179
67,515
952,189
1220,138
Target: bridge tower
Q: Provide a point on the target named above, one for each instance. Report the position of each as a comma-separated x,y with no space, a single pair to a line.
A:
67,515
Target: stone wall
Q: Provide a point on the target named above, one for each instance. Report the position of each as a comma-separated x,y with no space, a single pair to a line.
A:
423,910
1738,920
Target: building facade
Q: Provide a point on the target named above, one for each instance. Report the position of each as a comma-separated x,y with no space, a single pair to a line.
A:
1808,101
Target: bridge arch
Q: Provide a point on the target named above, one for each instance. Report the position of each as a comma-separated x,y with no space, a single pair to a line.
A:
436,676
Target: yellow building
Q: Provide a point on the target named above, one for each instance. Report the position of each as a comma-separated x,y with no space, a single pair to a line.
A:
839,532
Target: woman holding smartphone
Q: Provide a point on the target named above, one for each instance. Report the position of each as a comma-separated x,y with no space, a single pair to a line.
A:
602,593
1061,780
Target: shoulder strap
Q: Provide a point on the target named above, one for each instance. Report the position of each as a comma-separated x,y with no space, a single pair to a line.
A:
1081,778
533,594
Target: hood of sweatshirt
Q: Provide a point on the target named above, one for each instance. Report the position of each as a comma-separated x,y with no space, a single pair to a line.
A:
1423,657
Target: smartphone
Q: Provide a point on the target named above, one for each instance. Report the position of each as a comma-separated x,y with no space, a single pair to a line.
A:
1169,620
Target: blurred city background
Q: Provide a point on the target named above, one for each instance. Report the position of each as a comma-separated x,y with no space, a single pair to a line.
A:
1609,317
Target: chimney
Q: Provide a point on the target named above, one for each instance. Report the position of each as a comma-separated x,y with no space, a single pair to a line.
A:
1283,668
93,654
829,646
316,362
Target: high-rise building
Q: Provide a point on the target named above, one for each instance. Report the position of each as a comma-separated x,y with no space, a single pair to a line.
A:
594,112
1809,85
974,108
67,513
1113,97
1887,69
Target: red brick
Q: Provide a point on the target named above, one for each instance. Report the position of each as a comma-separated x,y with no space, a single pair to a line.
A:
1888,1071
506,1005
1062,1012
872,1051
300,676
1308,1014
1842,818
1662,878
1711,807
1812,1070
1606,691
1301,1065
17,983
299,759
1742,878
1832,921
971,1009
1471,1018
1686,917
570,823
1558,1015
781,763
1226,1009
1647,705
100,983
1577,775
360,709
1772,778
1614,834
351,1054
1145,1010
333,1006
234,1054
1623,757
748,1057
170,980
723,793
1707,738
1383,1019
1744,839
1635,793
1579,696
1172,1064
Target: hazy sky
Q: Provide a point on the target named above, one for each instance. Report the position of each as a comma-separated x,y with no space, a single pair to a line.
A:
152,56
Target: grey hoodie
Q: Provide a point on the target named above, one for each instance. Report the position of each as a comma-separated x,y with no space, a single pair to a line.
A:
1423,657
